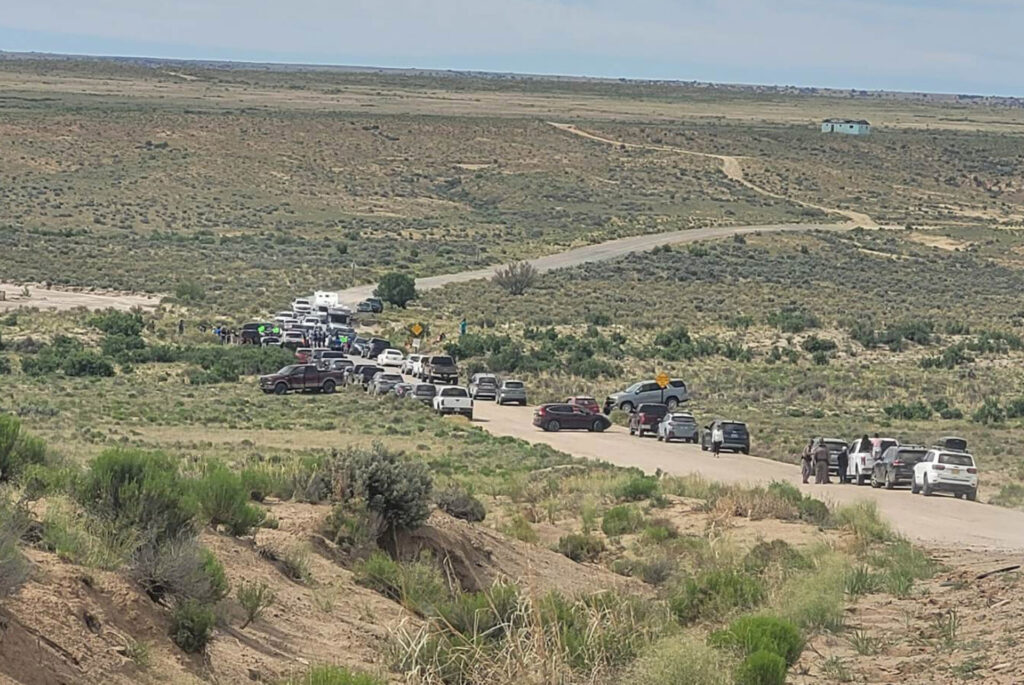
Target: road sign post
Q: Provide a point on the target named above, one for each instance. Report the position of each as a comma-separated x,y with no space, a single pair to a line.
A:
662,381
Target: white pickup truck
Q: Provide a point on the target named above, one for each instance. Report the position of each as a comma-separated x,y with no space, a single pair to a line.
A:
453,399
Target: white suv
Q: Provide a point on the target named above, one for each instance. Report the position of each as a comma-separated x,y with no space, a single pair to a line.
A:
942,471
390,357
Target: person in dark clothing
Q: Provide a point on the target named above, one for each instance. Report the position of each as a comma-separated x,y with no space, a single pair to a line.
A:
820,456
844,462
181,326
805,462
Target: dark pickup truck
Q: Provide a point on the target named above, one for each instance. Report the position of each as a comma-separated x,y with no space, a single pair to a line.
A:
301,378
439,369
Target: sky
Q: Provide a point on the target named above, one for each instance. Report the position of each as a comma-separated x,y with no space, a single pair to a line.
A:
970,46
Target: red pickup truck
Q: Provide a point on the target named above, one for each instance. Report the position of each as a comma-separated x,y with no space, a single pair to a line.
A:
301,378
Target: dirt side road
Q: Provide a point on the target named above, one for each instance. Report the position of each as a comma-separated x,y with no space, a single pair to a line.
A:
940,521
600,252
61,300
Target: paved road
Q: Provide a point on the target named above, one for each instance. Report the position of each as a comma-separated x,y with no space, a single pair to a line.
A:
939,521
599,252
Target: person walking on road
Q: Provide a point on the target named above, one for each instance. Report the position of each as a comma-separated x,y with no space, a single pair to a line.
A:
805,462
820,455
716,439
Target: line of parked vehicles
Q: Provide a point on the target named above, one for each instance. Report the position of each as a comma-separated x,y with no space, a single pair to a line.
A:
652,408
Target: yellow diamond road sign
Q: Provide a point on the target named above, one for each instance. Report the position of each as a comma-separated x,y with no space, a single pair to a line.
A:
416,329
662,380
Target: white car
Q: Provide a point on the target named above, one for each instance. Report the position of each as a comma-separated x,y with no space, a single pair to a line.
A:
292,337
454,399
943,471
416,368
302,305
390,357
409,365
863,453
311,321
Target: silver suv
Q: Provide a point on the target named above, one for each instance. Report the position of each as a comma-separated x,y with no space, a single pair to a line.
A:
647,391
512,391
483,386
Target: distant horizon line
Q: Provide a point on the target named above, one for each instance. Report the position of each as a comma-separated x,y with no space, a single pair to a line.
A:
448,71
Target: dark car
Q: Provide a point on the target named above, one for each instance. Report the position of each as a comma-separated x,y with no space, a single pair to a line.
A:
320,354
357,345
588,403
253,332
354,373
424,392
646,418
373,305
952,444
555,417
300,378
364,376
896,466
835,447
374,347
735,436
439,368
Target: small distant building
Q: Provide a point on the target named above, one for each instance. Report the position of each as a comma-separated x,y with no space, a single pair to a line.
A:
851,127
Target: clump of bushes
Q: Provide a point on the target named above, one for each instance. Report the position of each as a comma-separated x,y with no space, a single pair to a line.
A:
621,519
14,568
224,500
751,634
395,489
761,668
915,411
334,675
637,488
456,501
18,449
580,547
192,626
714,593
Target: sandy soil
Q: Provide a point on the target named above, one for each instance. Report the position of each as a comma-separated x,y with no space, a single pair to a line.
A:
60,300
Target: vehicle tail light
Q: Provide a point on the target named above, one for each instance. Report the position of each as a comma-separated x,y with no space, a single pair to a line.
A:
642,417
972,470
540,411
897,462
939,467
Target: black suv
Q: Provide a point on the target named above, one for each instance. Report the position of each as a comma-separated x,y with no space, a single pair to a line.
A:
735,436
373,305
373,348
646,418
253,332
896,466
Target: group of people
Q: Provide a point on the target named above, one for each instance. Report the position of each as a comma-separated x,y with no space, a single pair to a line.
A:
814,461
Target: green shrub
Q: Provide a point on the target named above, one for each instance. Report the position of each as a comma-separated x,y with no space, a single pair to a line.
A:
815,600
14,568
863,520
5,366
18,450
485,614
814,511
579,547
989,412
84,540
417,585
637,488
352,526
785,491
189,291
761,668
620,520
915,411
86,363
334,675
258,482
224,500
141,490
777,553
793,319
115,322
750,634
179,568
255,598
192,626
396,288
521,529
455,501
395,489
714,593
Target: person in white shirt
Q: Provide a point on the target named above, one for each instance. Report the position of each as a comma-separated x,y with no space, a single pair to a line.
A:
716,439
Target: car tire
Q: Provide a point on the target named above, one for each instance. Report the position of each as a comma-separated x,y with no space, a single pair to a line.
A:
926,489
703,447
627,407
889,483
280,388
913,487
745,450
671,403
632,431
874,482
597,427
329,386
660,438
972,495
553,426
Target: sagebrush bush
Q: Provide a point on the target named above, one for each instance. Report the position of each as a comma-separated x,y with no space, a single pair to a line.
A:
637,488
417,585
18,450
777,553
714,593
761,668
192,626
224,500
141,490
580,547
396,489
750,634
863,520
456,501
621,519
255,598
179,568
334,675
352,526
14,568
680,660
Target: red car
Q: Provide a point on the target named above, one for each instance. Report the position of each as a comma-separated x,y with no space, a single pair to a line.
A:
588,403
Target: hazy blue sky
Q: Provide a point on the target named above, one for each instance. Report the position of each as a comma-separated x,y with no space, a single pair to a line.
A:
972,46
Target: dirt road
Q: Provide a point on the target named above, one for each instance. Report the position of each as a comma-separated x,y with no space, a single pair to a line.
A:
940,520
600,252
61,300
732,167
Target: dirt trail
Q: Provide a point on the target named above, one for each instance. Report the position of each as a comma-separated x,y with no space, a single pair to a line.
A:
48,298
600,252
731,167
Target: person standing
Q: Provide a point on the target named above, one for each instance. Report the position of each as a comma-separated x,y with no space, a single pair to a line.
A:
844,463
805,461
716,439
821,463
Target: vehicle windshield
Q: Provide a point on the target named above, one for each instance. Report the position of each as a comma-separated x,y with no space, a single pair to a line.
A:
515,385
454,392
956,459
287,370
883,445
734,427
633,388
487,380
835,445
392,352
910,456
391,377
683,418
585,400
425,390
654,409
441,361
